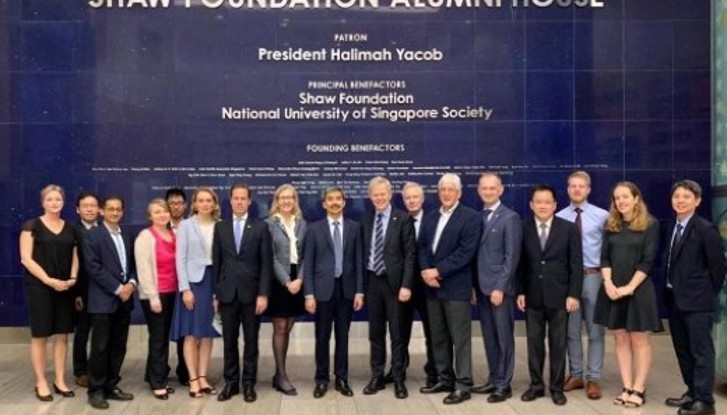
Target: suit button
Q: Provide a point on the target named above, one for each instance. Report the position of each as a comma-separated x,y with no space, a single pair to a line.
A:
542,262
540,276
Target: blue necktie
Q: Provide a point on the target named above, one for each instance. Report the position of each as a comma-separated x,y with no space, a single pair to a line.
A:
337,249
238,234
378,253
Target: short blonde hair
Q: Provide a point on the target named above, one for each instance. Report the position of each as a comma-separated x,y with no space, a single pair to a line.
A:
275,206
581,175
52,188
379,180
156,202
211,192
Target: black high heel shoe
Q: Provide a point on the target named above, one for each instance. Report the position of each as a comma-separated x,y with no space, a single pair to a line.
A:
65,394
288,392
195,394
162,396
43,398
209,390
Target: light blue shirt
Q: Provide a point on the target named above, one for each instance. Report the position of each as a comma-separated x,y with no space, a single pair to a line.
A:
593,220
385,220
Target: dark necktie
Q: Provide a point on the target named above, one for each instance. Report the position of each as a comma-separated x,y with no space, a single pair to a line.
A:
337,249
674,244
579,220
487,212
378,264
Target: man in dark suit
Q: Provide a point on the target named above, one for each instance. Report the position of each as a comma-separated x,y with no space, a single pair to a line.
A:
109,261
242,266
695,273
448,242
413,195
333,275
87,208
389,255
550,281
497,262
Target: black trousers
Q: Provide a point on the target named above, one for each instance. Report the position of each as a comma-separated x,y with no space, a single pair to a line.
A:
80,342
556,320
233,315
158,326
418,303
182,372
335,313
383,306
452,340
691,334
108,349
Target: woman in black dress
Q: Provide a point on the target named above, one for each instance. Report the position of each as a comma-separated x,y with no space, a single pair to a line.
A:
48,252
627,300
287,228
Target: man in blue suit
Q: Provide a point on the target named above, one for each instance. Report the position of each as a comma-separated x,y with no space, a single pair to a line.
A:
447,246
109,261
497,261
695,273
333,275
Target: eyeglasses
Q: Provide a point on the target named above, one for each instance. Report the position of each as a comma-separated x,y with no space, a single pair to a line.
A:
177,203
113,209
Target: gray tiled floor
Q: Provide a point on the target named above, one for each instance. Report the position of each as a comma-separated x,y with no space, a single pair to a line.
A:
16,384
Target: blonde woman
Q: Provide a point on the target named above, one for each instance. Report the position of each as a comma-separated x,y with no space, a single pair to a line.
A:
49,254
154,251
287,229
195,311
627,300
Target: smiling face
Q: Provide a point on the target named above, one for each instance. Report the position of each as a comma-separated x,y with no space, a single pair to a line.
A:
684,202
204,203
88,209
578,190
490,189
543,205
286,201
380,195
240,201
158,215
625,201
334,203
413,199
113,211
177,206
449,194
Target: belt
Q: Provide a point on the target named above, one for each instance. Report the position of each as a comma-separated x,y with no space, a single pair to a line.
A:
592,271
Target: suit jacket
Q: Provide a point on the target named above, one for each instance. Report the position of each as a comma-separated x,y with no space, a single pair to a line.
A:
105,271
498,255
245,275
319,261
547,277
191,256
281,247
399,247
697,267
81,287
454,258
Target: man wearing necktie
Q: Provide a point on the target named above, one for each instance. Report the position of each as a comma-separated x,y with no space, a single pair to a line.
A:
242,266
108,257
389,255
695,273
550,282
590,221
448,241
497,259
333,275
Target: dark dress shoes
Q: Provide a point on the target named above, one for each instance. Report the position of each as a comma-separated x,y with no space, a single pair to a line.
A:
400,390
684,401
43,398
375,385
558,398
97,401
389,378
500,395
456,397
698,408
320,390
248,394
228,392
532,394
437,388
343,387
485,389
116,394
431,381
65,394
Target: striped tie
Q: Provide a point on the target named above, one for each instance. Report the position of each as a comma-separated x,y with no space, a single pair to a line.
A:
379,267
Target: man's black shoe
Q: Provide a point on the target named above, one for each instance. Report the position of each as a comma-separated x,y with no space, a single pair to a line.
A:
684,401
558,398
400,390
500,395
320,390
485,389
230,390
343,387
248,394
98,402
375,385
389,378
456,397
431,381
437,388
532,394
698,408
116,394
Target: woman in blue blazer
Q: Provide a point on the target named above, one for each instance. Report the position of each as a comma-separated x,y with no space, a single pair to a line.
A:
195,310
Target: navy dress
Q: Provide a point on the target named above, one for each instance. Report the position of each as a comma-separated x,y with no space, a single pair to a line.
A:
198,321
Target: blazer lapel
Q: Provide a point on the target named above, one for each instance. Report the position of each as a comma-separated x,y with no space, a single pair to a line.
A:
680,244
554,226
393,221
246,235
111,245
198,232
491,223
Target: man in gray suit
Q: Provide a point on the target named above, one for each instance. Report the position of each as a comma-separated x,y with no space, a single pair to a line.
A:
497,260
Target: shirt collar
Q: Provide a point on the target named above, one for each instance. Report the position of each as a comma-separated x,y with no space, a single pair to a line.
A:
113,232
449,212
583,205
331,220
548,222
242,218
386,212
494,207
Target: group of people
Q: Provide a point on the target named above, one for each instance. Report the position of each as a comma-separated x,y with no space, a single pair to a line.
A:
580,266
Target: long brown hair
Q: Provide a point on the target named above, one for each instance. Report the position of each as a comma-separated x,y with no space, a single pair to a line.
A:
640,218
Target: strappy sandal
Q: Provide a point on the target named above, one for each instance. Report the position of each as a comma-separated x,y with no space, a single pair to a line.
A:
620,400
209,390
194,394
640,399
